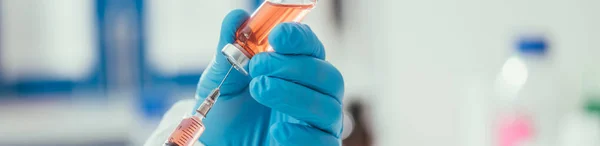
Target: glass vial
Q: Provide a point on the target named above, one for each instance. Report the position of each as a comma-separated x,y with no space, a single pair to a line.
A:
252,36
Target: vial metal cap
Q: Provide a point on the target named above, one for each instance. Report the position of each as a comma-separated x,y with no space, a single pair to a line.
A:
237,57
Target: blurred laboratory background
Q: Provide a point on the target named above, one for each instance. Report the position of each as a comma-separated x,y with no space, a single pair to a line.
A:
425,72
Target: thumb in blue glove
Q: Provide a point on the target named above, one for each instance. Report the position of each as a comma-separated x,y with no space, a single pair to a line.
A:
291,97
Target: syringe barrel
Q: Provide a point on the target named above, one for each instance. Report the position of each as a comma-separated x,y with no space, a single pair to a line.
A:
252,36
187,133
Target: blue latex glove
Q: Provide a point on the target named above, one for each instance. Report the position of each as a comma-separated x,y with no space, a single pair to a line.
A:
291,97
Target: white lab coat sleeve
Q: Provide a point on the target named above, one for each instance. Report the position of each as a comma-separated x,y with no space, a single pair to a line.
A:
169,121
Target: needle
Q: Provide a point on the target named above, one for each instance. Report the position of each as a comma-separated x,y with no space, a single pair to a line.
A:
211,98
226,75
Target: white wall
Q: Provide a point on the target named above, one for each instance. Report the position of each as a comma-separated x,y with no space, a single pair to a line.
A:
183,35
428,53
47,39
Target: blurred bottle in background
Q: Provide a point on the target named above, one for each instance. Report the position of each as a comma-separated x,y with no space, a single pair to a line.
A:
356,130
526,104
581,127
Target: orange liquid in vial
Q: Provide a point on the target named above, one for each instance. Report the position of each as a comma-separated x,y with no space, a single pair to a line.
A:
252,36
187,133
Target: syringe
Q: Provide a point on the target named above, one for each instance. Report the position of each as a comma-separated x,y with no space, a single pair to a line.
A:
190,128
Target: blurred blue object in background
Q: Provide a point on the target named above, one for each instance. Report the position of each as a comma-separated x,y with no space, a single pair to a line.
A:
532,45
120,37
29,67
154,103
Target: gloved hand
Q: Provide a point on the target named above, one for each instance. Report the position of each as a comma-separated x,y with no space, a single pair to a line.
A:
291,97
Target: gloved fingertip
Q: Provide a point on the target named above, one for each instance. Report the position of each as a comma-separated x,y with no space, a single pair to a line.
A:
230,24
255,87
259,64
278,35
281,36
259,89
233,20
292,38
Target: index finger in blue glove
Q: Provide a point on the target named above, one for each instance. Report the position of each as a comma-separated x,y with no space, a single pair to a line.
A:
308,71
293,38
212,76
305,104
